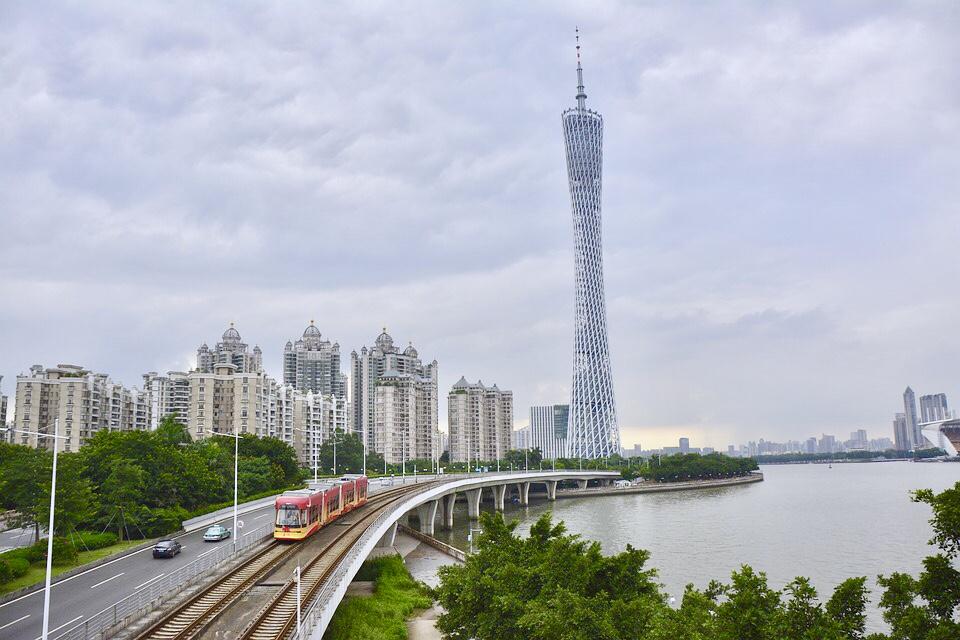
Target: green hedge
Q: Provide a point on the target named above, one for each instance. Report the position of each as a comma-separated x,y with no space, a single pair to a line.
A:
90,541
257,496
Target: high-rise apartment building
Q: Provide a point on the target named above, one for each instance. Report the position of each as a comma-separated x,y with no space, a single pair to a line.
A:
685,445
230,350
901,433
227,400
3,408
405,418
480,420
84,403
168,395
548,429
312,363
384,381
520,439
594,431
934,407
917,441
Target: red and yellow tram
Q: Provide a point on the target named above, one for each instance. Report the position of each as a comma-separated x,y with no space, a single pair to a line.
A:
301,513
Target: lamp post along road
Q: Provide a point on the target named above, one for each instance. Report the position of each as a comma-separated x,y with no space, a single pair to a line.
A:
53,504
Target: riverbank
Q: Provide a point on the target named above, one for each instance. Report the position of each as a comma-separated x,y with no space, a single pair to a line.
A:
660,487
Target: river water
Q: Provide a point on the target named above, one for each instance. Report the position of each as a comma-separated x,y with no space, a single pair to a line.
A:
810,520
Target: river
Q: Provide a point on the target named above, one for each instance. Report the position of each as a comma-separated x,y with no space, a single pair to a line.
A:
810,520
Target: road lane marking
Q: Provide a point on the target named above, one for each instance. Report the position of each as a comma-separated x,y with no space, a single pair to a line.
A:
266,515
97,568
94,586
206,552
9,624
148,581
60,627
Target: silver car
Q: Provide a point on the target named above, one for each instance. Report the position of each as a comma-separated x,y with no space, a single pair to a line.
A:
216,533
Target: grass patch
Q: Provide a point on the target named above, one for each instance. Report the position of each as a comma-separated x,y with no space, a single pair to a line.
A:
38,572
382,616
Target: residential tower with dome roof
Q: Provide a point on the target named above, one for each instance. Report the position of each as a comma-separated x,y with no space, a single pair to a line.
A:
480,420
230,350
394,401
312,363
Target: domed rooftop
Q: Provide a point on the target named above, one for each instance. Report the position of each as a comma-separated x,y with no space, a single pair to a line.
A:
231,334
384,341
410,351
311,331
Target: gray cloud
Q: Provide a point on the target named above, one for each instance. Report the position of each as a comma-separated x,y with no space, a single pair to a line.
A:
780,195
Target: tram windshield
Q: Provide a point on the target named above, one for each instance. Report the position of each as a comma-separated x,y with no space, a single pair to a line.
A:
288,516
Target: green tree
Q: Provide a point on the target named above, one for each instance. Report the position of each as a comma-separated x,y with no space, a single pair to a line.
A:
123,493
349,453
76,501
172,431
24,483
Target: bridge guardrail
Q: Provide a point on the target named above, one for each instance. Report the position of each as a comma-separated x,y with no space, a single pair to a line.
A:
140,602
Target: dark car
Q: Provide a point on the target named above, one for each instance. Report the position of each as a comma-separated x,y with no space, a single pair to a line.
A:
166,549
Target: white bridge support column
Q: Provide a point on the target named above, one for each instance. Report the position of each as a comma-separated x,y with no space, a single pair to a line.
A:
581,484
551,489
427,512
499,493
473,503
446,505
389,537
524,488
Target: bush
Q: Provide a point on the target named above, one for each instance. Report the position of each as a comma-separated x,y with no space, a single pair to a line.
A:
63,552
17,567
5,573
160,522
89,540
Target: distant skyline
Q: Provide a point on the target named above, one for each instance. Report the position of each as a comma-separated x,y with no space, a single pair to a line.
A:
780,194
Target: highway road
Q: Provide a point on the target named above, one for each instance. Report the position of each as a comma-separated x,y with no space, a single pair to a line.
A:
87,593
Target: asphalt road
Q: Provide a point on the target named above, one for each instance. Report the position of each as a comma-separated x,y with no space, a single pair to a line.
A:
14,538
92,591
86,594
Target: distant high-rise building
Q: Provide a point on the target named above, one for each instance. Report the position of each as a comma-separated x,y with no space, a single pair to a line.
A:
312,363
917,441
901,433
520,439
480,420
168,395
230,350
934,407
82,401
858,440
367,369
594,431
549,425
3,407
828,444
405,417
685,445
811,445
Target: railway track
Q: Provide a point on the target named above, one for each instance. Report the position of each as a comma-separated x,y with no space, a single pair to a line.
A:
191,617
278,618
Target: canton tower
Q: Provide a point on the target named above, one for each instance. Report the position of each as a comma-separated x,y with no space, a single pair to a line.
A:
593,430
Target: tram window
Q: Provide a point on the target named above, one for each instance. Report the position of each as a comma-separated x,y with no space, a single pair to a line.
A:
288,516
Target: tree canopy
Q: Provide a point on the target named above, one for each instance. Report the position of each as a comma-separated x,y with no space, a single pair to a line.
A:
552,585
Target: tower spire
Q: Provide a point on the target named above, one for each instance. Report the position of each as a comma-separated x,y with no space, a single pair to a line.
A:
581,96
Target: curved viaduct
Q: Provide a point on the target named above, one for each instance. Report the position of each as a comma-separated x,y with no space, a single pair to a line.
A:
433,501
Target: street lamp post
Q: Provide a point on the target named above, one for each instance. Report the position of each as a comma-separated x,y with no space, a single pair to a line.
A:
236,459
53,504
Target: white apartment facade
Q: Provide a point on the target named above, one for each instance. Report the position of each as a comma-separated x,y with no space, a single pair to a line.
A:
480,421
548,429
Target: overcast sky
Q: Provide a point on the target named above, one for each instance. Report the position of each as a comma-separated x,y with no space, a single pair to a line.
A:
780,196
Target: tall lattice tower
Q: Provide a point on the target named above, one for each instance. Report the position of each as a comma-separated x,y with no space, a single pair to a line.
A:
593,430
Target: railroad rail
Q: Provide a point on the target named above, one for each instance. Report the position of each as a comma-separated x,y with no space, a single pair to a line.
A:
190,618
278,618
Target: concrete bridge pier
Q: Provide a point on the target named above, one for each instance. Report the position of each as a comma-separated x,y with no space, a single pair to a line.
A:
524,488
427,513
446,506
389,537
581,484
499,494
551,489
473,503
